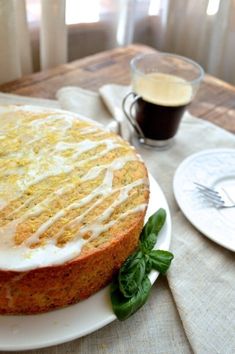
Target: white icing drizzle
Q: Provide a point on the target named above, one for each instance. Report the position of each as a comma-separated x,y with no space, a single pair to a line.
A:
66,120
47,162
104,190
96,228
114,165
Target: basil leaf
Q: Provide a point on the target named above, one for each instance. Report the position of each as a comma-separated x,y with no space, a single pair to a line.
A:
148,264
125,307
155,222
149,243
130,289
131,274
161,260
148,236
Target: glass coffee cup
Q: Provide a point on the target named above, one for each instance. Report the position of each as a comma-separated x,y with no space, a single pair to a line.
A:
163,85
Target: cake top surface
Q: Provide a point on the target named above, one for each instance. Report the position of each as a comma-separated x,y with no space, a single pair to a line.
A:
66,185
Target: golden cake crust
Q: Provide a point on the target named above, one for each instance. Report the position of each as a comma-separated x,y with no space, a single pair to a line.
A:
45,287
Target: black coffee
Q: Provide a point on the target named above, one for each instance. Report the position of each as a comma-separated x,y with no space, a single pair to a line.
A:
163,100
158,122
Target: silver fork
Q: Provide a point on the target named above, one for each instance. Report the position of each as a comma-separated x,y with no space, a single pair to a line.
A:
215,197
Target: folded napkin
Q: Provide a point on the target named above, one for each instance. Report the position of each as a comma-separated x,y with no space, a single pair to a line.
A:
7,98
104,107
201,278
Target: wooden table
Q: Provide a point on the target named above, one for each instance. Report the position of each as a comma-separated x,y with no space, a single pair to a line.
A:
215,100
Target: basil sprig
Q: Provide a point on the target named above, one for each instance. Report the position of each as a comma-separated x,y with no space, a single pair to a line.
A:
148,236
131,288
124,307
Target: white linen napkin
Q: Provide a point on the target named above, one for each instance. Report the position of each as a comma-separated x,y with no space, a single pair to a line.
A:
94,106
112,95
202,275
7,98
82,101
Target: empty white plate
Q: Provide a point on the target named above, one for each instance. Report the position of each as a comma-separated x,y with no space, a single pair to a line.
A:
212,168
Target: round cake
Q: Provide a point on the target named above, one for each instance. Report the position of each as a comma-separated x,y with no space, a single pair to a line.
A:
73,197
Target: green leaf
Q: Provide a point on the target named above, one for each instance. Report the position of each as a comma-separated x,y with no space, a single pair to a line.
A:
125,307
161,260
148,236
130,289
148,264
131,274
149,243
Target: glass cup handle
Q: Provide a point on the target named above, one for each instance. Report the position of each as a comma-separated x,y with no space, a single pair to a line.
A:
130,115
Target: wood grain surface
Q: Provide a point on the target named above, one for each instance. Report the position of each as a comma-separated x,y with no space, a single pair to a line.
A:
214,102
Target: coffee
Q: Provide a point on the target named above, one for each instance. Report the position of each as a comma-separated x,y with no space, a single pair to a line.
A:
163,100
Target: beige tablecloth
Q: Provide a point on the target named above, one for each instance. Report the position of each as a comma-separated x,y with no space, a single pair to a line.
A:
192,310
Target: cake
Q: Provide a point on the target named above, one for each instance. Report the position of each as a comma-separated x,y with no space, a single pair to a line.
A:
73,197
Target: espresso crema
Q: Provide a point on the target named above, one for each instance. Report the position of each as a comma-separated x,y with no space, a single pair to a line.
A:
163,89
163,100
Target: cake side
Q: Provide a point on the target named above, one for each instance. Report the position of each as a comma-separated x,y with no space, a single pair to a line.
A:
72,203
53,287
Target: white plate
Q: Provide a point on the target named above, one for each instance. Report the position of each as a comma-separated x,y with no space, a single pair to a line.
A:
212,168
59,326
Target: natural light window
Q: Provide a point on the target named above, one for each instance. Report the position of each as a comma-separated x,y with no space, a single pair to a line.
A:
212,7
77,11
154,7
82,11
33,11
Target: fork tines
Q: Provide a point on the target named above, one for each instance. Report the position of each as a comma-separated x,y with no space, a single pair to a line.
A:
211,195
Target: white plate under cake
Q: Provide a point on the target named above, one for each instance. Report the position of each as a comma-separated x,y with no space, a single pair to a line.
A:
72,203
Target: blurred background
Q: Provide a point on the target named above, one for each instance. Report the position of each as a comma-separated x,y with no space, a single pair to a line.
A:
40,34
